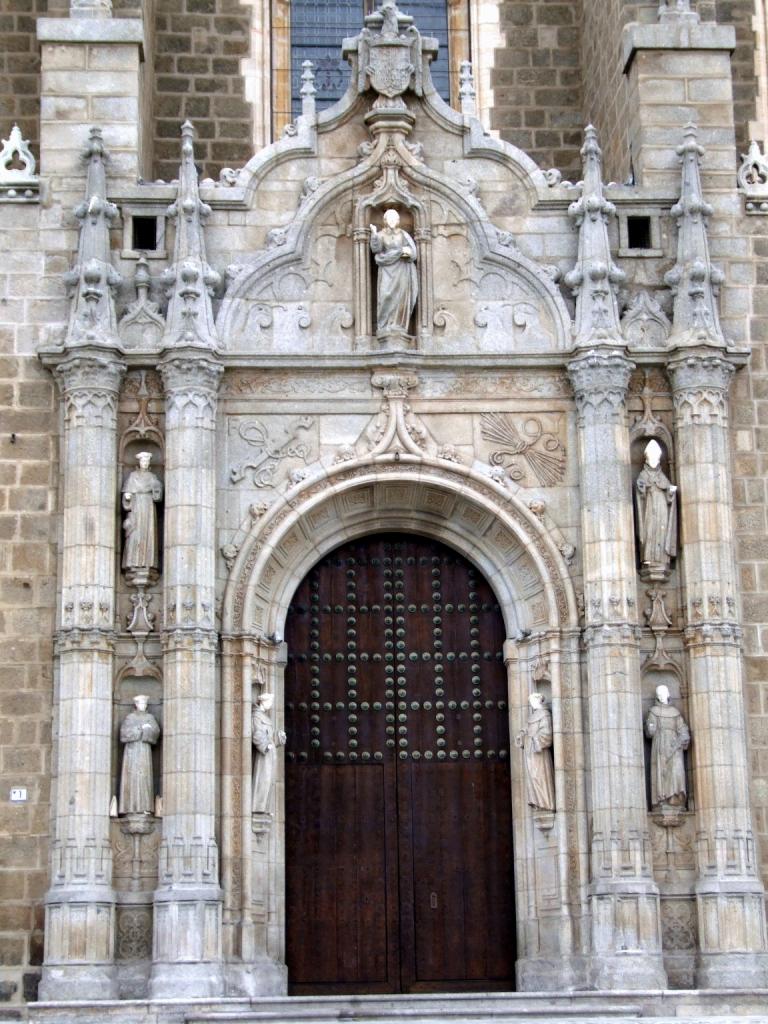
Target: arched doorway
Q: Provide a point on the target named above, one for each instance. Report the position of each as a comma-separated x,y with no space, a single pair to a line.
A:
399,866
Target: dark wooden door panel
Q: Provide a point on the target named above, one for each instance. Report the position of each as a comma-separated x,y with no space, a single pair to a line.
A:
341,917
399,857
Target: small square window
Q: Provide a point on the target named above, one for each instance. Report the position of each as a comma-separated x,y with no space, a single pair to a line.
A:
144,234
639,233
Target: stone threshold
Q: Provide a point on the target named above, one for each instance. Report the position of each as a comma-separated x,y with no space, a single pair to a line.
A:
631,1007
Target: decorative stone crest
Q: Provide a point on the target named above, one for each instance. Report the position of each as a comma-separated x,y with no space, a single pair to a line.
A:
600,381
389,53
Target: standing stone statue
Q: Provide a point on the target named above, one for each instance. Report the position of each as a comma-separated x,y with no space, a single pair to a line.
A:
141,492
656,502
669,732
397,281
266,740
139,732
536,743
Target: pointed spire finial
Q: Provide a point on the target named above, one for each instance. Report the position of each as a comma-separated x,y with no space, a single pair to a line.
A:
467,89
595,278
308,90
191,280
694,282
92,319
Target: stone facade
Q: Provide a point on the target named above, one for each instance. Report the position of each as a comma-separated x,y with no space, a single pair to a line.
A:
557,329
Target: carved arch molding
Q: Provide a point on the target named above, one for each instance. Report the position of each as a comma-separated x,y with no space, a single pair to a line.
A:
492,528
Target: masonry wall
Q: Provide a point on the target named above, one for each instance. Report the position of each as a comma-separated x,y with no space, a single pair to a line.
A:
537,81
198,48
28,526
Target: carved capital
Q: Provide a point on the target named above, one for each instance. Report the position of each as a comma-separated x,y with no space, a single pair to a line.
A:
192,640
600,381
89,386
191,387
611,634
709,633
79,640
700,389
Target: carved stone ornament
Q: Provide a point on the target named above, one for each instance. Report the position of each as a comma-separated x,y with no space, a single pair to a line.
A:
644,324
595,278
17,183
677,11
752,177
93,280
272,447
700,390
389,53
540,450
694,281
600,381
142,326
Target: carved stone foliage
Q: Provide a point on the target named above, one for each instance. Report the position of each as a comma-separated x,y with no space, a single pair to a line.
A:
530,453
272,444
90,385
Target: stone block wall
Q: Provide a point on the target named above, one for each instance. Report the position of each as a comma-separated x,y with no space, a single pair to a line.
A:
28,527
749,413
537,82
198,48
20,67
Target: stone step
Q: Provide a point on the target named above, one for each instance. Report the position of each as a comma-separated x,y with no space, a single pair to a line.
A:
657,1007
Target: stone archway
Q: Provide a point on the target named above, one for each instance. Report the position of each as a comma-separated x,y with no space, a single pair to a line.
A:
495,531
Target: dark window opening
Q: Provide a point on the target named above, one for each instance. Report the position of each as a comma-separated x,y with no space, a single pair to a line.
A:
144,233
319,26
639,233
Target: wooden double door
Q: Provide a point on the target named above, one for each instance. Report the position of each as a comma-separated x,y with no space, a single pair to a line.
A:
399,867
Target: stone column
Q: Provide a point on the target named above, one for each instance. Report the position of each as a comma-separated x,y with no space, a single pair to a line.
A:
730,897
80,904
188,900
626,934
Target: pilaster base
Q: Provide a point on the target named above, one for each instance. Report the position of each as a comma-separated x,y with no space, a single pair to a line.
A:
186,981
626,937
187,944
628,969
262,977
561,974
76,982
747,971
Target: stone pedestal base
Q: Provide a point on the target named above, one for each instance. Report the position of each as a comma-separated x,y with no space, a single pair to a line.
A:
626,937
187,944
746,971
186,981
558,974
262,977
76,982
634,970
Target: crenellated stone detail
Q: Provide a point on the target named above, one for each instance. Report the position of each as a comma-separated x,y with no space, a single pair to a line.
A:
595,278
694,281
